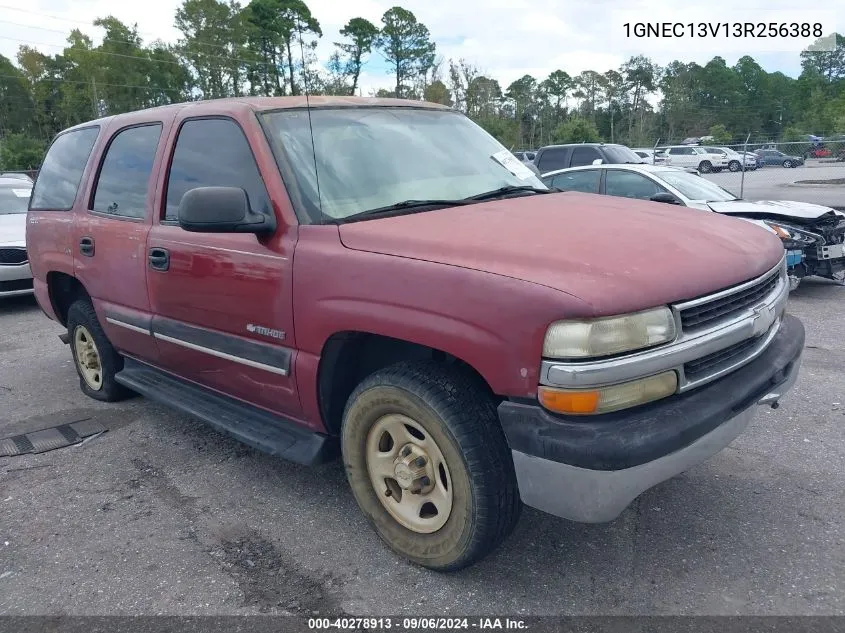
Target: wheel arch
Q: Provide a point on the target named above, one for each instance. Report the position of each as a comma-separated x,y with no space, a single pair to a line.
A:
63,290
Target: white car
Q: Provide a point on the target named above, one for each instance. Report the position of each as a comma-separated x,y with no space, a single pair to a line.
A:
696,157
649,155
813,235
736,159
15,275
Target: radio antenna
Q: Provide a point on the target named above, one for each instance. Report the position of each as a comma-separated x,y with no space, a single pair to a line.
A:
310,124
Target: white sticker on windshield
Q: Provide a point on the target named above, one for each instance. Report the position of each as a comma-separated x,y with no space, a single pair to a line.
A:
512,164
21,193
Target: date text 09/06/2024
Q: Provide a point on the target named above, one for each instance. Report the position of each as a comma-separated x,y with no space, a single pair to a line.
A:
723,29
416,623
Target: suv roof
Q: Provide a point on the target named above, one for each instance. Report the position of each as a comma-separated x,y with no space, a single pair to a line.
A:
261,104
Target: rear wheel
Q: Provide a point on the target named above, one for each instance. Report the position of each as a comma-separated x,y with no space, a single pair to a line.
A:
705,167
787,163
429,465
95,358
734,165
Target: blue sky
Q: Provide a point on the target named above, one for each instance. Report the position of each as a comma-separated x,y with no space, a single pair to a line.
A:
505,39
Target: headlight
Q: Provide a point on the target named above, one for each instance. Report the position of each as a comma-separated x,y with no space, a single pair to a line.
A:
609,335
786,232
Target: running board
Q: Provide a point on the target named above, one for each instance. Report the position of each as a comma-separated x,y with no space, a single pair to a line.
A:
269,433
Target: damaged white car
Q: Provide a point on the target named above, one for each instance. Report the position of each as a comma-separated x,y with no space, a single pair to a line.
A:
813,235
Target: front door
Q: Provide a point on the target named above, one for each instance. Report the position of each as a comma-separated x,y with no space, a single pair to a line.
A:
222,302
111,235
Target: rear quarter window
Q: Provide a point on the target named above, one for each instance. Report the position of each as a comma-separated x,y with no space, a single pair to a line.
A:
61,172
553,159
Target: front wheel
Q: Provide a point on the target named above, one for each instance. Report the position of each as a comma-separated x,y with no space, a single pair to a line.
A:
705,167
787,163
429,465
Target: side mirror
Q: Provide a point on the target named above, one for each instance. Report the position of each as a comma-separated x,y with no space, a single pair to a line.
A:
666,197
221,210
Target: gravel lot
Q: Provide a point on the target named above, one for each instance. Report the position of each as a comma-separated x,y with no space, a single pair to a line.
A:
161,515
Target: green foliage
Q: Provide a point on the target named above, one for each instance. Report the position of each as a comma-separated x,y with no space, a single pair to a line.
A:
19,152
406,46
793,133
576,130
361,35
720,134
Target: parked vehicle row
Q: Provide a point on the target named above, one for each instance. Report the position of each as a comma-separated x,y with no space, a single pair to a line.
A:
384,282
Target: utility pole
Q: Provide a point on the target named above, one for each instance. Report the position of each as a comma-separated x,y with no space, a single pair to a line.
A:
94,100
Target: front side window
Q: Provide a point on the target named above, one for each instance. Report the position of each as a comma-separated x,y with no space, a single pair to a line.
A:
585,180
369,158
14,197
629,184
61,172
584,156
214,153
124,179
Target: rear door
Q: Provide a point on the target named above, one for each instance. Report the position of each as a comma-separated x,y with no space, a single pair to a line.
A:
222,301
681,157
50,220
111,235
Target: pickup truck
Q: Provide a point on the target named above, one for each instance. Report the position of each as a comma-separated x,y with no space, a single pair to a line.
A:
383,282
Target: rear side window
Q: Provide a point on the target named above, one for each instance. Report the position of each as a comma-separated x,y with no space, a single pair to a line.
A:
552,159
586,180
61,172
214,153
125,174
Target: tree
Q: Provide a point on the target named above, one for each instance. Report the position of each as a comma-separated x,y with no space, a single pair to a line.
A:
720,134
19,152
406,45
576,130
557,85
826,63
362,36
16,103
437,92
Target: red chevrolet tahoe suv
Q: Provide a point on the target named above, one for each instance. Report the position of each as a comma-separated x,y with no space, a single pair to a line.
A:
382,280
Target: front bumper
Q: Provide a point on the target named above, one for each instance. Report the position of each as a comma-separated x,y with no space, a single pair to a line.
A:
15,280
591,470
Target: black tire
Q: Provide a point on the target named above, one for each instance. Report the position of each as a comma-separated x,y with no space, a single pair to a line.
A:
456,410
787,164
705,167
81,314
734,165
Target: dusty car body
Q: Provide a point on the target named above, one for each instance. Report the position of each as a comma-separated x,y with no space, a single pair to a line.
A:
382,281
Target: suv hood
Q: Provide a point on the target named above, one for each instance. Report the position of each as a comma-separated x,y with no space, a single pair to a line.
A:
12,229
786,209
616,254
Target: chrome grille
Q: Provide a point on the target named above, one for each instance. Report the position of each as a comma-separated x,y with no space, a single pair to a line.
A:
711,363
703,314
12,256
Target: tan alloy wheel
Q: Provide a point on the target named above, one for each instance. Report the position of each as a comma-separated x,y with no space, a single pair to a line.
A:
88,358
409,473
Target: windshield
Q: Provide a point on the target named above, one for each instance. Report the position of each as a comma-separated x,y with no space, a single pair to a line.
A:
374,157
695,187
14,198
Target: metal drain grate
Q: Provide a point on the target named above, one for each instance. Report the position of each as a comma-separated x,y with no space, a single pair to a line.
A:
49,439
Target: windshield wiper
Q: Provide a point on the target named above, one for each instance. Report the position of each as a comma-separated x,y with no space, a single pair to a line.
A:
503,191
404,207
